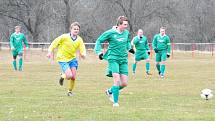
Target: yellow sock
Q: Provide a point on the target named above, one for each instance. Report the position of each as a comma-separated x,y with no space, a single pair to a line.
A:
63,76
71,84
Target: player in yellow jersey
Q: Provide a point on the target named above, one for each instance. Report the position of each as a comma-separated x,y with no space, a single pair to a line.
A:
67,45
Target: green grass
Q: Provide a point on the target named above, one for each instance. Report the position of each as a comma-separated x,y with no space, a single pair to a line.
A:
35,95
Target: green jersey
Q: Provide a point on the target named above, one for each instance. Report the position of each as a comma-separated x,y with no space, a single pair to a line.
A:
17,40
119,44
161,43
141,44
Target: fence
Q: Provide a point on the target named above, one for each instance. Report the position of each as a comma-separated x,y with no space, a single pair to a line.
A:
193,48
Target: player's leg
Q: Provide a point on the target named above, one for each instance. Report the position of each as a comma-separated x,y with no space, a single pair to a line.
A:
136,59
158,60
67,73
147,66
14,54
20,55
71,82
163,66
123,70
115,88
134,66
114,66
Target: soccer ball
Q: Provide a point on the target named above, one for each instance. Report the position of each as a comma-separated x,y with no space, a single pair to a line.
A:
206,94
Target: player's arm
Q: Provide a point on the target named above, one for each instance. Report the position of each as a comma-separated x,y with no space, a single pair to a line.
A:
98,47
154,44
133,43
129,46
82,49
54,45
25,42
168,47
11,42
147,46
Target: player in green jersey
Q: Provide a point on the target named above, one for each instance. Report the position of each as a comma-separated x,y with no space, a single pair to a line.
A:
140,42
161,45
116,55
16,43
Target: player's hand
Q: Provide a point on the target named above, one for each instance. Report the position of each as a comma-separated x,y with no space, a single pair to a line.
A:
148,52
168,55
101,56
156,50
131,51
49,55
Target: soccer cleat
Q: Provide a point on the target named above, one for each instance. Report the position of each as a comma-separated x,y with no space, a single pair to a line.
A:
162,75
70,93
61,81
159,73
115,104
20,69
110,96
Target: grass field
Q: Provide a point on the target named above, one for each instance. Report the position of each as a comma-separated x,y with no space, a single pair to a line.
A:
35,95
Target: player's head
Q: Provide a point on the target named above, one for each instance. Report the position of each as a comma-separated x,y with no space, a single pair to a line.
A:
75,28
140,32
162,31
17,29
122,23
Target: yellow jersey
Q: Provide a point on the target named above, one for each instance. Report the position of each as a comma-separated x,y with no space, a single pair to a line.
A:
67,47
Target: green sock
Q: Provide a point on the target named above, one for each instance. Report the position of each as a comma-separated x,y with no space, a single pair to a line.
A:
158,67
20,63
120,87
14,65
134,66
162,69
147,66
115,91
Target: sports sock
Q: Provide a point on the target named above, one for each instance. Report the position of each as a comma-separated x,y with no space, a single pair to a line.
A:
134,66
162,69
120,87
158,67
20,63
115,91
71,84
147,66
14,65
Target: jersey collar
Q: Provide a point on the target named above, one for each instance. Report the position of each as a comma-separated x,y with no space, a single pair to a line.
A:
73,39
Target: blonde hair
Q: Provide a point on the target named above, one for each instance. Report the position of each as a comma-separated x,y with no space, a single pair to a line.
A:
75,24
120,20
16,27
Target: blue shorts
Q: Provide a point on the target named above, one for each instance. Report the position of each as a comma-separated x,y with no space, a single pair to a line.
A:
68,65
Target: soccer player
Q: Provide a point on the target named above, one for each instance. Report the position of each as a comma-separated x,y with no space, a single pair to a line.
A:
140,42
67,45
161,45
16,43
116,55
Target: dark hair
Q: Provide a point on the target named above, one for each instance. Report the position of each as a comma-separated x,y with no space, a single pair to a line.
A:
120,20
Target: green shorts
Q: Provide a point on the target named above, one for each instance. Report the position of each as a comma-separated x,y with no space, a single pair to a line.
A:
17,52
161,56
117,66
141,55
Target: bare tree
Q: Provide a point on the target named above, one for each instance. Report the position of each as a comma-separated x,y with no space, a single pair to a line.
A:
31,14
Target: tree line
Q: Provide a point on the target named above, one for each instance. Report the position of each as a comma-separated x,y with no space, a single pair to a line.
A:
43,20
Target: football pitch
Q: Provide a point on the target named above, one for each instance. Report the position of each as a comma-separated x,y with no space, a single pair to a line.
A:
35,95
